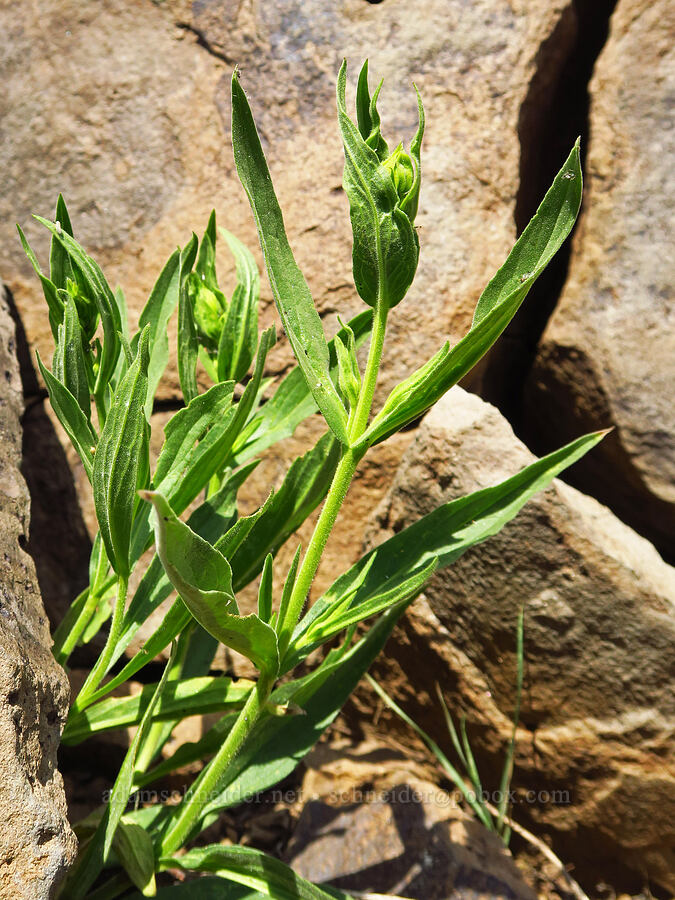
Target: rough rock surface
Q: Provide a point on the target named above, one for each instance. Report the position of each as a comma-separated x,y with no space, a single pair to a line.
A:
372,824
116,105
598,706
36,842
607,355
125,109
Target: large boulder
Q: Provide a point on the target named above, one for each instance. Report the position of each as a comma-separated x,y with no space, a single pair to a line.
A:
596,747
36,842
607,356
125,109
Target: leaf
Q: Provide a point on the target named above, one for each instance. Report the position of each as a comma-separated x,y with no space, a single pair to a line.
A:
156,313
496,307
69,413
188,346
203,578
265,590
342,615
303,488
292,402
121,460
189,438
199,439
251,868
442,535
209,888
386,248
69,362
188,697
134,849
60,269
239,339
54,302
294,302
99,290
209,520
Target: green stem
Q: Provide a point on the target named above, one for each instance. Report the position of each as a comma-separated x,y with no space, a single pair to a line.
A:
206,786
339,486
372,368
62,652
102,663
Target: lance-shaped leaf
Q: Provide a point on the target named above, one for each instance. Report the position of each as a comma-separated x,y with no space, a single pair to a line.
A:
121,460
156,313
438,538
60,268
294,301
203,578
252,869
382,197
188,345
239,338
210,520
69,413
98,289
188,697
496,307
200,438
69,362
188,438
54,302
134,849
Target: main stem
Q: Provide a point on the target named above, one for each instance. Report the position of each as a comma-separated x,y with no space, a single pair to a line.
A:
205,787
102,663
340,484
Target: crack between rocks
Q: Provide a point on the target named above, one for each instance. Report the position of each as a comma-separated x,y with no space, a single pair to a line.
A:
555,112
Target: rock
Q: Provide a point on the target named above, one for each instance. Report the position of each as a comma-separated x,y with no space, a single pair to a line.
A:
596,742
607,355
125,109
122,110
36,844
372,825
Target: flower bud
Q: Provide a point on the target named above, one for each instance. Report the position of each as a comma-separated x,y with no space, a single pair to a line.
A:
402,171
209,313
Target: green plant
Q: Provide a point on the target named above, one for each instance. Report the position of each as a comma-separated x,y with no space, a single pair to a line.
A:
495,817
102,385
468,783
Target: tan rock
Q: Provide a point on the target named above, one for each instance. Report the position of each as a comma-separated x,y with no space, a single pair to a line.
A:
118,107
607,356
36,842
597,723
371,823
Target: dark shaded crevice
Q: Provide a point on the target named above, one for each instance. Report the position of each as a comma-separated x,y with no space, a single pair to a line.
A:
58,541
554,113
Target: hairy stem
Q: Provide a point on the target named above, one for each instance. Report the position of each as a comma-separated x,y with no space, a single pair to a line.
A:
340,484
206,786
102,663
